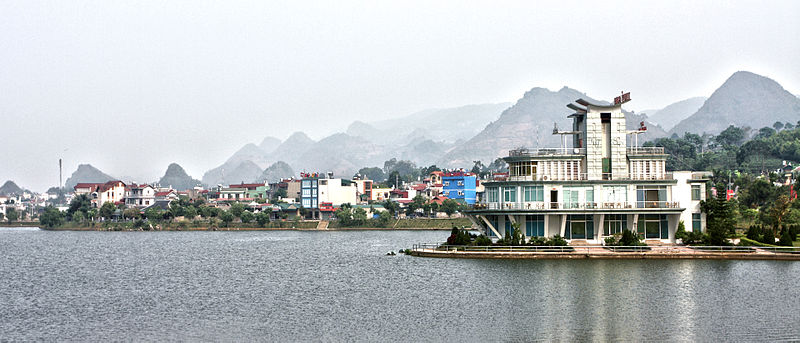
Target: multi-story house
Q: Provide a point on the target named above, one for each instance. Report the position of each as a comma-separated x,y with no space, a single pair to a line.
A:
253,191
316,189
101,193
594,189
140,195
460,185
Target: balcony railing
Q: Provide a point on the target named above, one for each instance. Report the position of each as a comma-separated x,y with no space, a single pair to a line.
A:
646,150
524,152
577,206
585,176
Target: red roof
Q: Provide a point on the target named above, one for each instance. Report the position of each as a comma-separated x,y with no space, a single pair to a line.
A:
162,194
87,185
437,172
419,187
405,201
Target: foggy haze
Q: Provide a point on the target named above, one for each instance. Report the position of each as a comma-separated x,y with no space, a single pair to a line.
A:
132,87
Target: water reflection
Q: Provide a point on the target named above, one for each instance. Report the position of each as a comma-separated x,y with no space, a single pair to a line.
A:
340,286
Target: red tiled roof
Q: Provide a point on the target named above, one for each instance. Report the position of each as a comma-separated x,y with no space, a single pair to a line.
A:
161,194
419,187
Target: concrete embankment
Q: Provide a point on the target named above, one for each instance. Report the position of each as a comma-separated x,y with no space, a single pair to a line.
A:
601,253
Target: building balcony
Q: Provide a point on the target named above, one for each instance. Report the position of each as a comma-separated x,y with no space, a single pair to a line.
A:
525,152
623,205
585,176
647,150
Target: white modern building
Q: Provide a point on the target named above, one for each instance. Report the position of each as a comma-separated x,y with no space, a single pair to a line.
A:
140,195
601,185
320,189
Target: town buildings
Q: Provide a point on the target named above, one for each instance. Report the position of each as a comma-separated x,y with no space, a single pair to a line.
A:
596,188
460,185
101,193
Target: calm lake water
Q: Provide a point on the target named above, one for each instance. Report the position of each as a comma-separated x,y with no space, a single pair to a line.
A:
340,286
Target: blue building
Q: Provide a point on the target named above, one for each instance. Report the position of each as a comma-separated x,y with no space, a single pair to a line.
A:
460,185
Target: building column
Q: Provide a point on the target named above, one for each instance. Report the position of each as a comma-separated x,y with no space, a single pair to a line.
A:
489,225
632,224
598,230
563,225
672,222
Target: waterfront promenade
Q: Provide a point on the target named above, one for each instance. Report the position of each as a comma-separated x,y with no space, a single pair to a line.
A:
607,252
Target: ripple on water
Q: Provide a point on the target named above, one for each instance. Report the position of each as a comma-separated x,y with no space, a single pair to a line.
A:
340,286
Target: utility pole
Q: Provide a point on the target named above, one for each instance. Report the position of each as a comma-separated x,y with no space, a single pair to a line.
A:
59,173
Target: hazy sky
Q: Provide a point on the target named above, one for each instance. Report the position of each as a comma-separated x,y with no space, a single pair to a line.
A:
130,87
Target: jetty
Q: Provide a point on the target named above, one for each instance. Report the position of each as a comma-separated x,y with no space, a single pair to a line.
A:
607,252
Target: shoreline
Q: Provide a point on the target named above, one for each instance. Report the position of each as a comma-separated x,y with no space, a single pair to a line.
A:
251,229
583,253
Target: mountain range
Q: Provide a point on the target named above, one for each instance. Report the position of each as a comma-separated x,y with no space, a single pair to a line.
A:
176,178
455,137
745,99
671,115
10,188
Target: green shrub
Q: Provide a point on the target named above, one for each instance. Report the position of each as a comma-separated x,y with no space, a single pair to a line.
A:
786,239
768,237
537,241
630,239
482,240
557,241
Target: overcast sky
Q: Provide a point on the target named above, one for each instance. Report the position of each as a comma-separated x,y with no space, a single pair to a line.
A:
130,87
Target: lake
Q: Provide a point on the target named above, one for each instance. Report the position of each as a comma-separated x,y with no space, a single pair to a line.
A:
341,286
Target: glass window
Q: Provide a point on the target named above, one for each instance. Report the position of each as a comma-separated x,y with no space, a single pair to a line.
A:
571,197
614,224
460,183
510,194
653,226
695,192
696,222
580,226
492,194
447,183
615,194
533,193
534,226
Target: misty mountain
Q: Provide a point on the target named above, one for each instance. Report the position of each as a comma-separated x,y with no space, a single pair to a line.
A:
446,124
342,154
669,116
250,152
86,173
277,171
745,99
269,144
232,173
10,188
293,147
529,123
177,178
